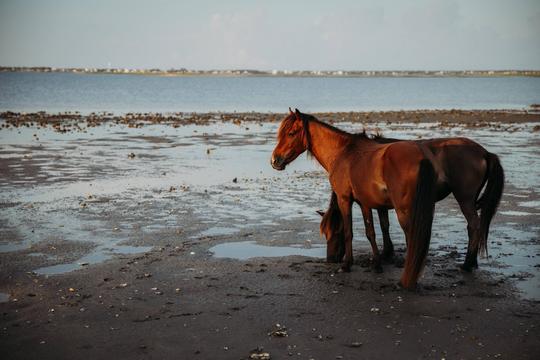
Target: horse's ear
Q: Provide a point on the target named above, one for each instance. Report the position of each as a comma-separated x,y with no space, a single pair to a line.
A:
320,212
290,110
297,113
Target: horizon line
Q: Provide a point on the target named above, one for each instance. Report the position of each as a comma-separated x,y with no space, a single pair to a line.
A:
266,72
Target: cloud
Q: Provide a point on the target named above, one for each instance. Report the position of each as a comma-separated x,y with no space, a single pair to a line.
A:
228,40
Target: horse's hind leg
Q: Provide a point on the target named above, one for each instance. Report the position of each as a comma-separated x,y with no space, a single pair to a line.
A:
370,233
405,223
468,207
388,247
345,207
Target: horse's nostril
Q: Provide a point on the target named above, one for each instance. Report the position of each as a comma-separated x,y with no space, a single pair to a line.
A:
276,162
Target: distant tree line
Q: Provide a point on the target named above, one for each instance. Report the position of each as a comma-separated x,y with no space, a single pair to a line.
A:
291,73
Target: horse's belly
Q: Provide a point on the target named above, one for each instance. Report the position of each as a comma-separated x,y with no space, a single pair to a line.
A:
443,190
373,196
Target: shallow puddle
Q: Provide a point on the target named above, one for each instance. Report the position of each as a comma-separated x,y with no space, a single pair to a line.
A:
245,250
4,297
12,246
96,257
533,204
516,213
218,230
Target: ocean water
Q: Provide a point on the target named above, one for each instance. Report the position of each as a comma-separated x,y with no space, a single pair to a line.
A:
57,92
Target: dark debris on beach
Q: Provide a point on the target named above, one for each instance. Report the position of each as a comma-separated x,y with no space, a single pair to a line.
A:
75,121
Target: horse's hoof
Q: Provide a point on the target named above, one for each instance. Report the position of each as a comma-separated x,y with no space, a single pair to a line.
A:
467,268
344,269
419,289
414,288
388,257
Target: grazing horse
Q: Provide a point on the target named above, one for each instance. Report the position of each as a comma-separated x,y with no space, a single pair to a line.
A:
463,168
398,176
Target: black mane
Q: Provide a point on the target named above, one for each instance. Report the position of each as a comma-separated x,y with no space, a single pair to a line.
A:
377,137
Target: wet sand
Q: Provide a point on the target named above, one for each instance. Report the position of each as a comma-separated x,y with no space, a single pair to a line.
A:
117,232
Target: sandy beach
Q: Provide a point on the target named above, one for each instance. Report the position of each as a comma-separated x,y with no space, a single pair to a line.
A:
170,236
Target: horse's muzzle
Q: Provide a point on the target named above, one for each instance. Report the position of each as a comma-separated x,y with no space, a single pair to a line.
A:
277,162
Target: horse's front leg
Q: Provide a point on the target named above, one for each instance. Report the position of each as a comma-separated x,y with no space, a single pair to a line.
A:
370,233
388,247
345,207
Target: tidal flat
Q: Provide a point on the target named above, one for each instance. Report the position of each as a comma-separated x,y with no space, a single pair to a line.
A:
170,235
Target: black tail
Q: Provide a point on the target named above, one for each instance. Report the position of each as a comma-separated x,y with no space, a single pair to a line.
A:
489,201
421,219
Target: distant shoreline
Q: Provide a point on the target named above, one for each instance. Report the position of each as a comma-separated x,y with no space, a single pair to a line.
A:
276,73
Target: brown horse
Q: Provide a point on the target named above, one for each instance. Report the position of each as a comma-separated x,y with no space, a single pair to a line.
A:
397,175
463,167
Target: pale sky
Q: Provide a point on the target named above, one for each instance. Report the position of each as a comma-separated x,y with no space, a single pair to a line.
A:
272,34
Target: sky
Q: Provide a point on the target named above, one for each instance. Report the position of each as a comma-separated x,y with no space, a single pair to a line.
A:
267,35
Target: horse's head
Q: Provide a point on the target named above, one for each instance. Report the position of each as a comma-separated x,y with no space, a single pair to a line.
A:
332,229
292,140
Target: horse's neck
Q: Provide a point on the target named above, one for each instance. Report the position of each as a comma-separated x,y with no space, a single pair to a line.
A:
327,143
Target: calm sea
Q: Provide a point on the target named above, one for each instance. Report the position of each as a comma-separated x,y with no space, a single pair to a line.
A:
56,92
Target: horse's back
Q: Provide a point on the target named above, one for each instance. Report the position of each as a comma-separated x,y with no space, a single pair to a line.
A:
461,143
460,163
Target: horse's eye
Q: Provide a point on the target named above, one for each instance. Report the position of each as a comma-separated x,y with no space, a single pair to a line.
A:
292,133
